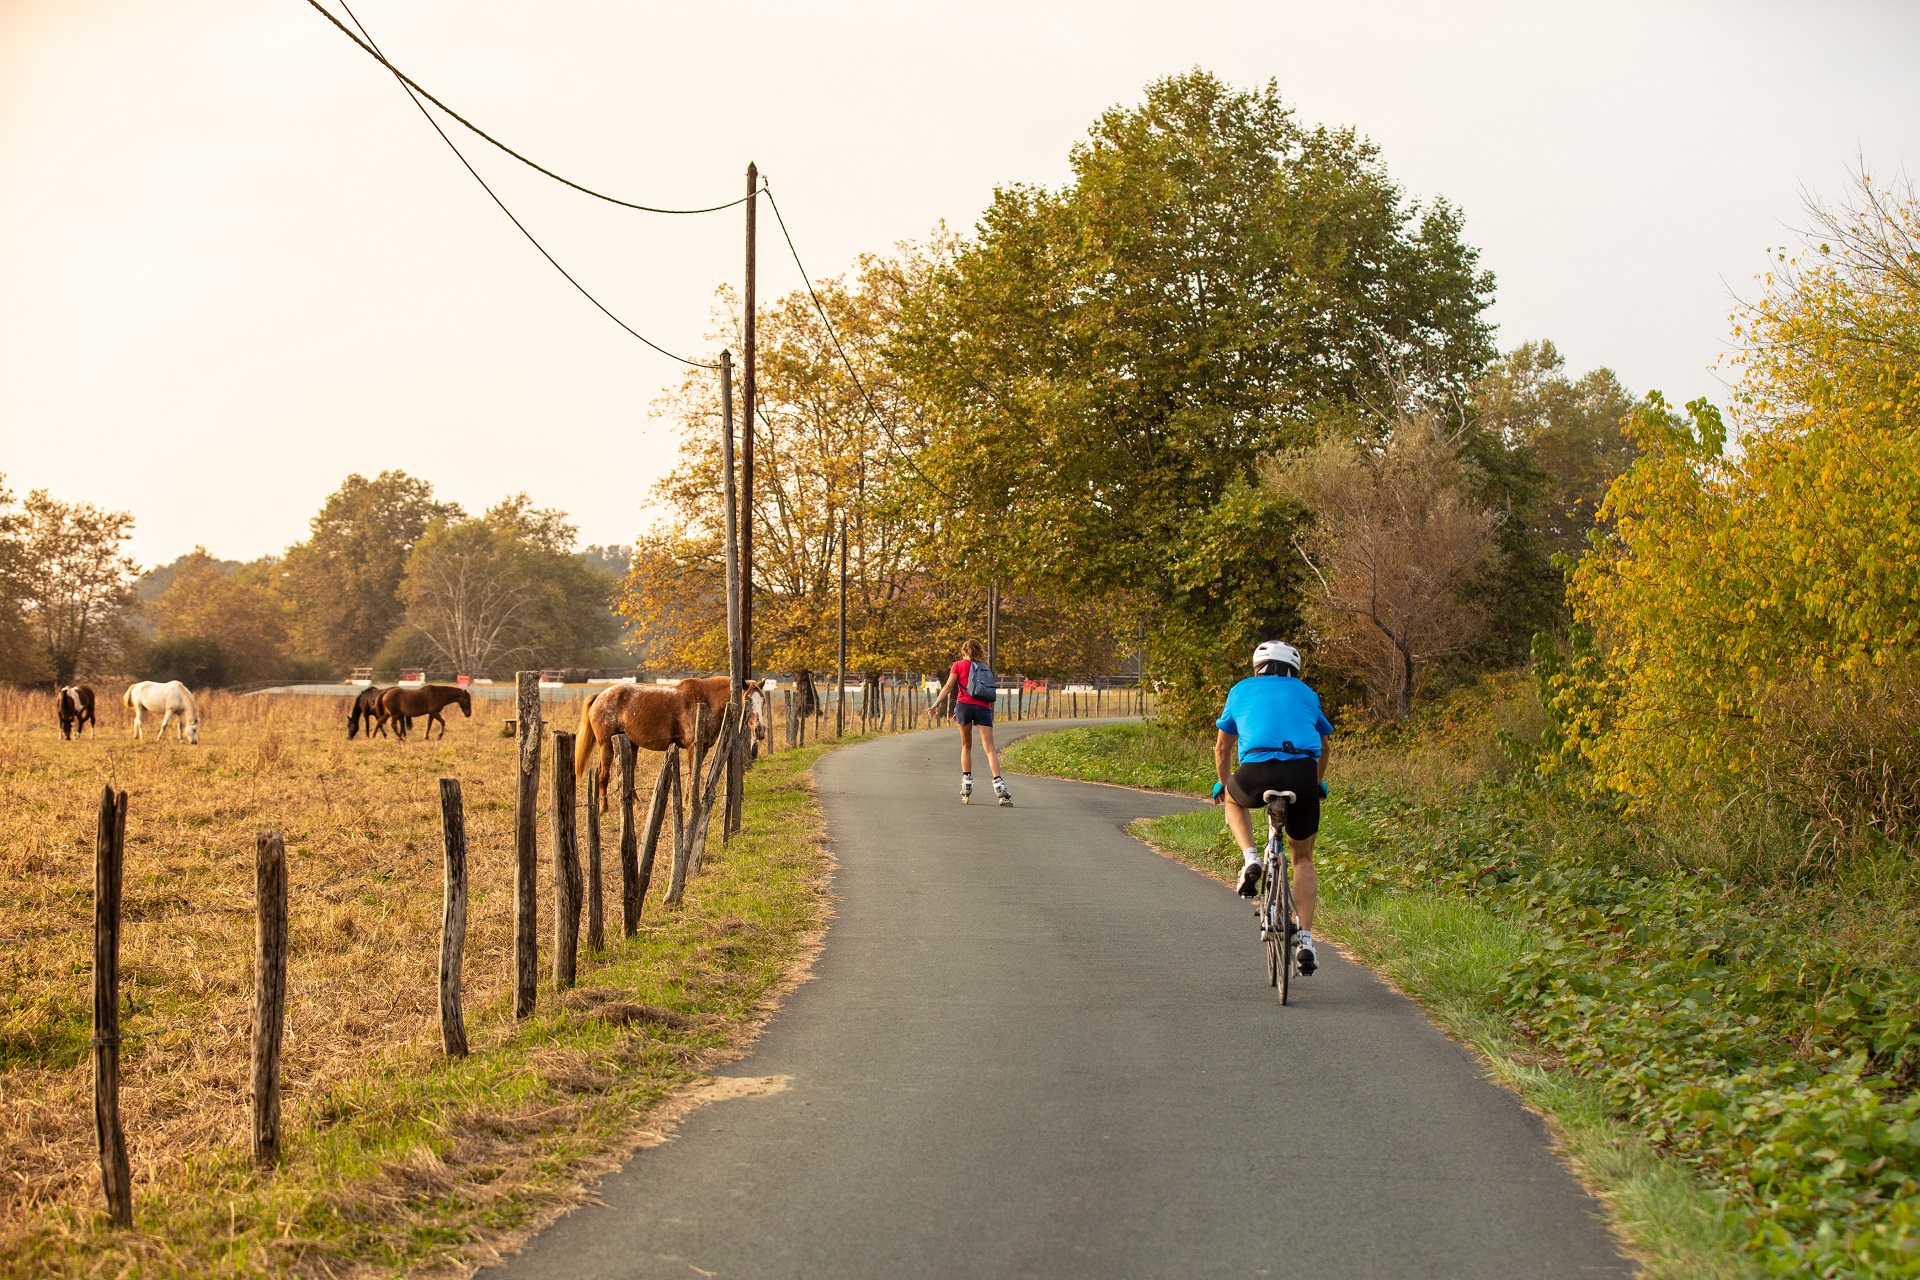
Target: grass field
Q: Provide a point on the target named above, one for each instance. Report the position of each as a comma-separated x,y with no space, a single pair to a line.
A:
395,1158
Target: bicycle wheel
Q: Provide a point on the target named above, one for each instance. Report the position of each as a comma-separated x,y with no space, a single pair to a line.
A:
1287,936
1269,914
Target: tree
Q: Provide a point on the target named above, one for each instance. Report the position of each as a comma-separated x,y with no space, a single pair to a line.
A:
1722,579
1103,364
229,610
505,587
830,448
21,660
343,582
76,581
1397,545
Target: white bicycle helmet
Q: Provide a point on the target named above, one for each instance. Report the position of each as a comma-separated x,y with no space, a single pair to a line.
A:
1277,651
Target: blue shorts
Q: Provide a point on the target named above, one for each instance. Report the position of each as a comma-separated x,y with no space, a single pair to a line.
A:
967,713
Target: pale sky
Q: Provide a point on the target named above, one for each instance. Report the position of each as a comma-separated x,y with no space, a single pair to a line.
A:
236,264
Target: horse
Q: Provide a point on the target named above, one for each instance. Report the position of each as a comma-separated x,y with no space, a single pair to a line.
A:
402,705
76,710
656,717
367,707
172,700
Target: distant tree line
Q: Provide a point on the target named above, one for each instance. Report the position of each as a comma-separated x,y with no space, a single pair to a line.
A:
388,577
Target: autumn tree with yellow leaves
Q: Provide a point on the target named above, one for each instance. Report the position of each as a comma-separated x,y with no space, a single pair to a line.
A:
1735,596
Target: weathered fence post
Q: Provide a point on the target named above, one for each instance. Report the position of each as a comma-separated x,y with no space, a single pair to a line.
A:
453,921
109,866
596,908
683,835
632,887
567,886
269,990
526,847
665,786
723,754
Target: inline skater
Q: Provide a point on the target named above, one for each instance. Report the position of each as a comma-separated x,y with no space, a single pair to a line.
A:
972,682
1282,735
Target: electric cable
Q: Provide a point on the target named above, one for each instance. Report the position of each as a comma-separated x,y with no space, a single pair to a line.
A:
373,52
833,335
407,86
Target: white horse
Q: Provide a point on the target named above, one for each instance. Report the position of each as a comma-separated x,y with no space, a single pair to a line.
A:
172,700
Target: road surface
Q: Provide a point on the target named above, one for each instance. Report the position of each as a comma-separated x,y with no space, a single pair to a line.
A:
1035,1048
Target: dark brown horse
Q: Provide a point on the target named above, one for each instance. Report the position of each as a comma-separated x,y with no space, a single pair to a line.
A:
656,717
367,708
402,705
76,709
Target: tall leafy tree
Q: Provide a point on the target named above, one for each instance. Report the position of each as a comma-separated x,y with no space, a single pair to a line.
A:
77,581
230,609
343,582
1102,364
506,587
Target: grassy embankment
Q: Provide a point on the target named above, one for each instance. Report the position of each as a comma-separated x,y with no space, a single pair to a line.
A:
1727,1046
396,1158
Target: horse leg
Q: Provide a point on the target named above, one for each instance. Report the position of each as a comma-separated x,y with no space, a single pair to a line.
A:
433,718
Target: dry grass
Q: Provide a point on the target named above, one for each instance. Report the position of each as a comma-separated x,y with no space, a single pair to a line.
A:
361,824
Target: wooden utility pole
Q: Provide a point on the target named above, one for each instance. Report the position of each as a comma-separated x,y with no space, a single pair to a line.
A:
736,664
109,863
748,404
993,627
840,669
736,649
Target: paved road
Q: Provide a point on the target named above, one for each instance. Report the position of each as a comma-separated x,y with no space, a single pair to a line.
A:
1035,1048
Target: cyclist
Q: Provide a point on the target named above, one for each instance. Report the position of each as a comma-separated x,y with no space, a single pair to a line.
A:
1276,721
969,711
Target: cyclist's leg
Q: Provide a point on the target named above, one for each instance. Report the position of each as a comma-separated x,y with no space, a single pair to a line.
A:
1240,823
1306,883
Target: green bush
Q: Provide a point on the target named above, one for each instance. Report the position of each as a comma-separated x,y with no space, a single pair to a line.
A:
1775,1061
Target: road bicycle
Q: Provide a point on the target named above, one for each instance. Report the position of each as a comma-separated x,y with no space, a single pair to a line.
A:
1279,928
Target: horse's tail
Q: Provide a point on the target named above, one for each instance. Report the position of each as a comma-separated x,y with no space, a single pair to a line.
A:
583,744
126,699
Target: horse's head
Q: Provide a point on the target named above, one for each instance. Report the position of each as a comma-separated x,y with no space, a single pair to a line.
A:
756,700
465,699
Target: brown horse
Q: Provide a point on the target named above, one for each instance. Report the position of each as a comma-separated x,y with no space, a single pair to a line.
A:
402,705
76,710
656,717
367,707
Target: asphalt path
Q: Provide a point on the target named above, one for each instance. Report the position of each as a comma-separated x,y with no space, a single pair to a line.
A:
1033,1047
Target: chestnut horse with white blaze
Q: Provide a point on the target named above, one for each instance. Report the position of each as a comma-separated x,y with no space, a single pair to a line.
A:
656,717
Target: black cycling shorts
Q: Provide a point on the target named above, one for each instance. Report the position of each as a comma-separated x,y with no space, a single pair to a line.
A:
967,713
1249,784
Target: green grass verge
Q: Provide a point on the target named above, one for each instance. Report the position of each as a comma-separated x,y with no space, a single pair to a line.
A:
1448,954
424,1162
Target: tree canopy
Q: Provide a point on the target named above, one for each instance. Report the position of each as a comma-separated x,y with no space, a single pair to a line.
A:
1103,364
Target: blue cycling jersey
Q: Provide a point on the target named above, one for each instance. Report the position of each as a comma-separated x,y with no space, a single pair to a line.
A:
1266,712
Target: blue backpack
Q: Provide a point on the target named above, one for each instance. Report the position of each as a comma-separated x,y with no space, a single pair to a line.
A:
980,682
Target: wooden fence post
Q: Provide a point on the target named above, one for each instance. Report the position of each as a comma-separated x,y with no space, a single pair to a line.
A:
632,887
683,841
526,847
723,754
269,990
453,922
109,866
596,907
665,786
568,888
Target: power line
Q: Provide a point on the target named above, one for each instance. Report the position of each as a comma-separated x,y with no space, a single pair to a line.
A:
373,52
411,90
833,335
